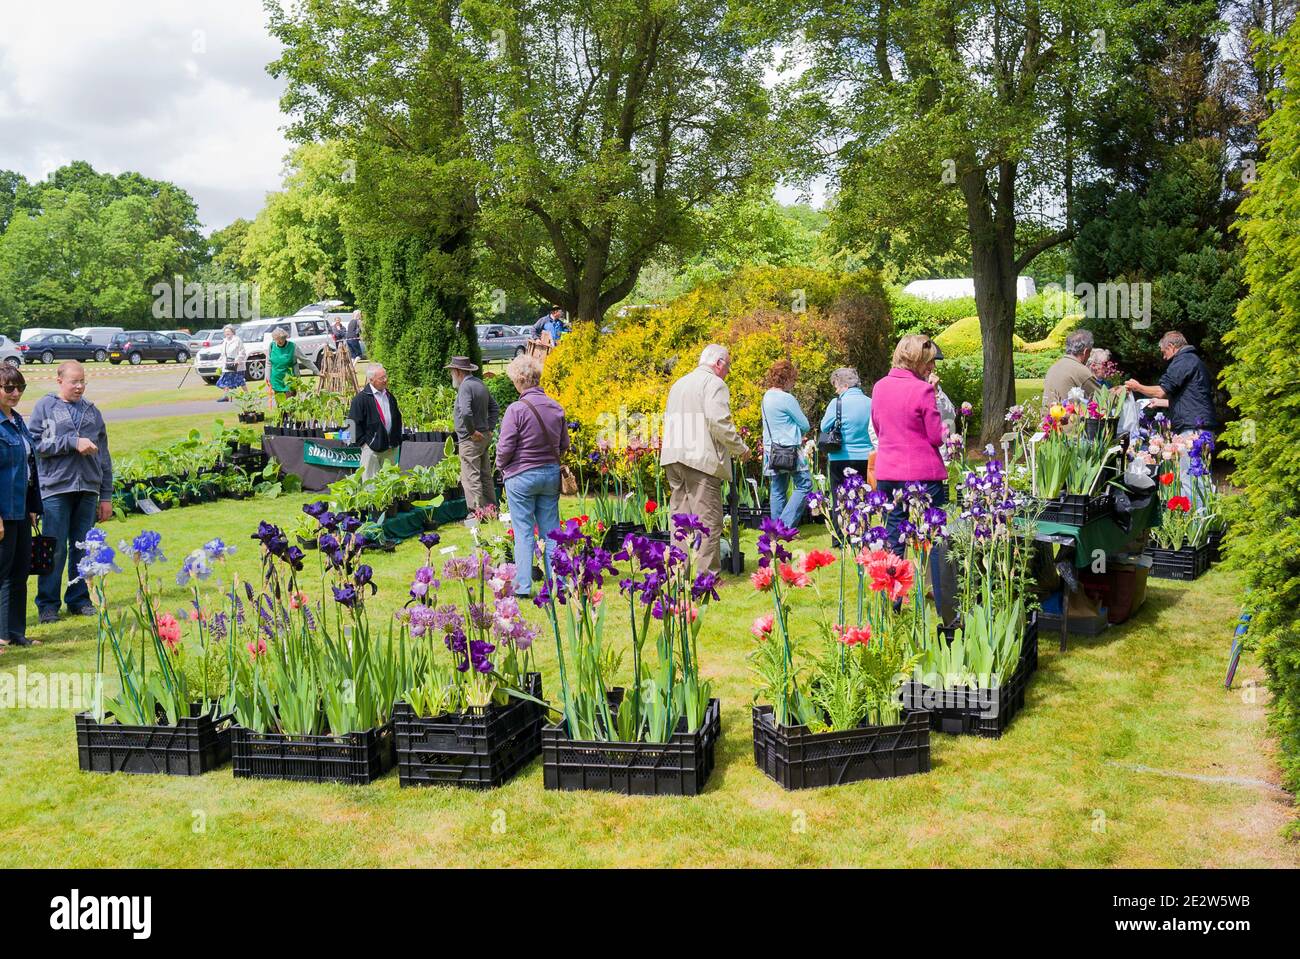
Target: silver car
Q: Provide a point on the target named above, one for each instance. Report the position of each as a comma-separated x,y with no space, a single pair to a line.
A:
9,351
496,341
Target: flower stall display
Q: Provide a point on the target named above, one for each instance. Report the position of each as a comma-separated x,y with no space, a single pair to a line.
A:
621,489
834,715
1070,458
167,715
658,735
471,715
1191,520
312,683
972,680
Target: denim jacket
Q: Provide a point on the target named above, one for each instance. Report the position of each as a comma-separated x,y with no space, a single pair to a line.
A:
18,492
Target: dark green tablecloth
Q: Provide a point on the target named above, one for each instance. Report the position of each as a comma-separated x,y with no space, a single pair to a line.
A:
1103,534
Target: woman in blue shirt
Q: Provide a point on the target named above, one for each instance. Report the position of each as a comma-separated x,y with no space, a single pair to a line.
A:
785,425
852,408
19,506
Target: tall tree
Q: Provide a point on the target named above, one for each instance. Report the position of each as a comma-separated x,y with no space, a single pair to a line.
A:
388,81
945,116
605,124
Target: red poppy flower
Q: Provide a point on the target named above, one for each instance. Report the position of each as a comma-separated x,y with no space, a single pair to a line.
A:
893,576
853,635
794,577
651,506
1180,503
762,626
762,578
1166,478
816,559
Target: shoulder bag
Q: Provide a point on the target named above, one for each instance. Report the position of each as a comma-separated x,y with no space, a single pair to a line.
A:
829,441
781,457
568,482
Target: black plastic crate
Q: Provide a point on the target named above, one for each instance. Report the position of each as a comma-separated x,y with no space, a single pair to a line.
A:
798,759
970,711
1029,645
1215,542
1075,510
615,534
679,767
195,745
1186,563
750,517
355,758
479,749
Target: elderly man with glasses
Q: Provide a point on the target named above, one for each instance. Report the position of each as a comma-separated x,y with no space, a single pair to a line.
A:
76,476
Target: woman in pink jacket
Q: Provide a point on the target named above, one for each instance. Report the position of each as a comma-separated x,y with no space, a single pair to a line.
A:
908,429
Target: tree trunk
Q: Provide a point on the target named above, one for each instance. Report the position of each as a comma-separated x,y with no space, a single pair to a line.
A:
993,265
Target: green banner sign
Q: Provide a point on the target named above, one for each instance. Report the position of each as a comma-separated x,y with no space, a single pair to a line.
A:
338,457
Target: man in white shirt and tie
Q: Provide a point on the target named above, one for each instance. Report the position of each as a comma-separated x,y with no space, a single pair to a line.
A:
376,423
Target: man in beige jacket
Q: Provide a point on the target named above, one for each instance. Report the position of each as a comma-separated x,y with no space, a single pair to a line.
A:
699,440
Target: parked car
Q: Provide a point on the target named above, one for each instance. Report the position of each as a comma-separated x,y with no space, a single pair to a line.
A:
136,346
202,338
497,341
9,352
308,332
53,347
99,336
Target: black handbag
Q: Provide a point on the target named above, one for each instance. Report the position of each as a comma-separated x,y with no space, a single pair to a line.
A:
42,560
781,457
829,441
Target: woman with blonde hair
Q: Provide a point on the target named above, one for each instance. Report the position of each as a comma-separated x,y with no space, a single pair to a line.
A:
533,438
908,428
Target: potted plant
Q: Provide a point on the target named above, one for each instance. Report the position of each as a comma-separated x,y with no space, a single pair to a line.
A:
657,736
471,716
972,679
833,716
1069,464
313,695
162,720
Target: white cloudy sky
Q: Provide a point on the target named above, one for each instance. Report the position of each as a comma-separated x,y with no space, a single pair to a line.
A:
176,89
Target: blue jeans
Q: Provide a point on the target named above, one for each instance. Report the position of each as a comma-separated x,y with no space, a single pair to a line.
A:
68,518
788,510
534,499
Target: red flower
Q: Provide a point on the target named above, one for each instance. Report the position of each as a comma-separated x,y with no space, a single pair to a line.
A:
762,578
816,559
169,631
651,506
762,626
1180,503
583,519
853,635
1166,478
893,576
794,577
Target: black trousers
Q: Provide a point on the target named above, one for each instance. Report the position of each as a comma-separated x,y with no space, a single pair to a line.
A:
15,560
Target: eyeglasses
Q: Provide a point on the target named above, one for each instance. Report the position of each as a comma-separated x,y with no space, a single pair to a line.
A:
14,388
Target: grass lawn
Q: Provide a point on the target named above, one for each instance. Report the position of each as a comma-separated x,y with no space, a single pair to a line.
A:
1129,753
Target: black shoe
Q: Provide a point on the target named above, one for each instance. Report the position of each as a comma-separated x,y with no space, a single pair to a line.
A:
18,641
86,610
49,616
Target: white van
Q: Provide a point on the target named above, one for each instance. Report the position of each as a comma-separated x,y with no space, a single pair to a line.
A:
31,331
98,335
308,332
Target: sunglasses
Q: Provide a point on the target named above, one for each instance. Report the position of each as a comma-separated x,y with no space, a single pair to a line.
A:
14,389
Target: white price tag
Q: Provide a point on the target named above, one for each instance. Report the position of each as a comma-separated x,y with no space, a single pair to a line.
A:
447,549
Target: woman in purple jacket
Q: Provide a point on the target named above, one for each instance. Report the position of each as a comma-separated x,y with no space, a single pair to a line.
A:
533,438
909,433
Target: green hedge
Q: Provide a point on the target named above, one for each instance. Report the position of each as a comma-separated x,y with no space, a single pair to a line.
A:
1264,537
1035,316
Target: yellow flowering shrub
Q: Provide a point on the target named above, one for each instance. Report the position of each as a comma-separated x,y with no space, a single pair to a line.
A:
818,319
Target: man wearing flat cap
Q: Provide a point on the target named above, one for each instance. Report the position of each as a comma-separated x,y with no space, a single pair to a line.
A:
476,418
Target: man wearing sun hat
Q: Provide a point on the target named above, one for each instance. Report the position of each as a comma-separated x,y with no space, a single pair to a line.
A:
476,417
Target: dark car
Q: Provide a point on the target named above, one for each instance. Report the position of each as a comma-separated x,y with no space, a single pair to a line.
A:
137,346
52,347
